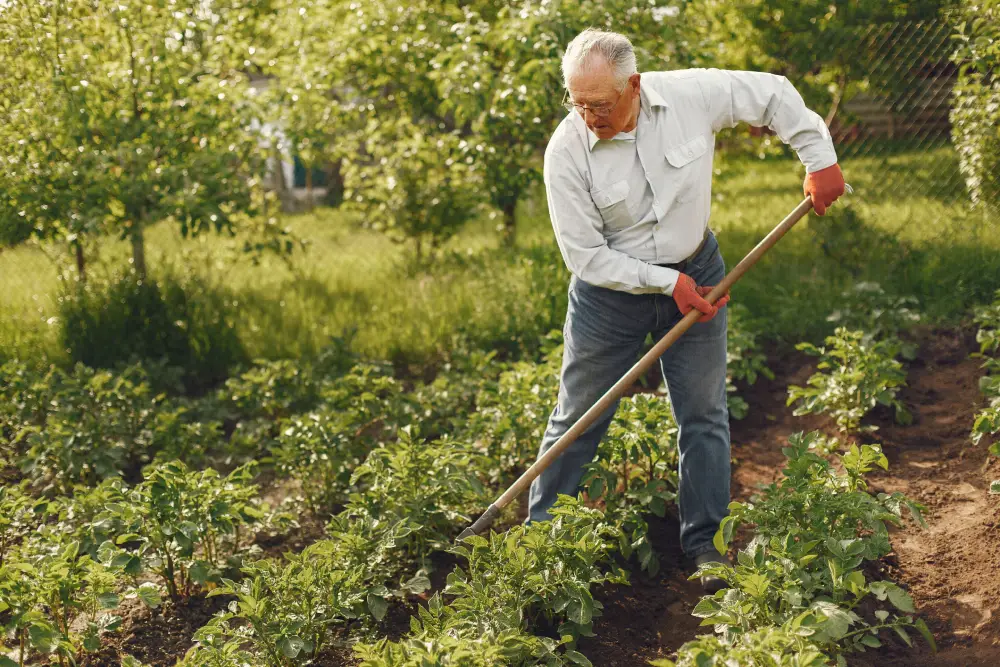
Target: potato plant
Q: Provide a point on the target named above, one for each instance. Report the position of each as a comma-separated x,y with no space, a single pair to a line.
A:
409,499
507,586
18,518
853,376
48,589
788,645
184,525
868,307
322,448
283,611
511,415
744,360
802,570
635,472
987,421
95,424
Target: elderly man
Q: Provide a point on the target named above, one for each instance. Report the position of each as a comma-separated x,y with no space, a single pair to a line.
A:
628,175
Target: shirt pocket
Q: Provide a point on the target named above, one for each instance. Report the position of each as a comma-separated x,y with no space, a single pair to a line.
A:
681,157
612,201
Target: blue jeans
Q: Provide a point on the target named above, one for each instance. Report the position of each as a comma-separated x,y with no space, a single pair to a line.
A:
603,337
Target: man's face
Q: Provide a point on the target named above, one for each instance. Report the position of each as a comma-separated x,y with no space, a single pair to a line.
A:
594,86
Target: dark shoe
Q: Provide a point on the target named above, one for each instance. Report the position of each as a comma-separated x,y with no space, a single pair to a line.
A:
710,583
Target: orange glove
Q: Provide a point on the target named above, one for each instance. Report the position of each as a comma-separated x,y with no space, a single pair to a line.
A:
824,186
689,295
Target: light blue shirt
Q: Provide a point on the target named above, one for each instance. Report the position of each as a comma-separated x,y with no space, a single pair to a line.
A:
620,206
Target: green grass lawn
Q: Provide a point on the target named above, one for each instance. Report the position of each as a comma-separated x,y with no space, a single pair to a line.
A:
916,238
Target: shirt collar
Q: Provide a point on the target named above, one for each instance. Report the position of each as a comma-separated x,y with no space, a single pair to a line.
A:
648,98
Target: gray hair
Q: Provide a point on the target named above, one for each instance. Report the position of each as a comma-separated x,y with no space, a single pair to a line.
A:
615,49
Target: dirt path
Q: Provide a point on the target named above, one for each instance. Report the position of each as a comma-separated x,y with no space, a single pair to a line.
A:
952,568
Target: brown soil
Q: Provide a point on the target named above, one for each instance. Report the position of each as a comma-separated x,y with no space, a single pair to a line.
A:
157,637
952,568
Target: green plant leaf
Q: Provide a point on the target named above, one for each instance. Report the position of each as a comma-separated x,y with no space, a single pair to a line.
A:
922,628
149,593
377,605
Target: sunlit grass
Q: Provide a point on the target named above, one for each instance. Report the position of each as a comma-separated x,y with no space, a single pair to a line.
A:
352,282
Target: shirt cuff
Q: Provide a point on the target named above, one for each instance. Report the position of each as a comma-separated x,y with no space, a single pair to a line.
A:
660,277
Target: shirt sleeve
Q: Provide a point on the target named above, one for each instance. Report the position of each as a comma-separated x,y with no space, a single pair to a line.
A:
770,100
578,229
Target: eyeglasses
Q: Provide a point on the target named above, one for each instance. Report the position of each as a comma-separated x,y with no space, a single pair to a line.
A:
582,109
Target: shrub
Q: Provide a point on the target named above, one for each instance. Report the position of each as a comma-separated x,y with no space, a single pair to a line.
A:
975,114
104,325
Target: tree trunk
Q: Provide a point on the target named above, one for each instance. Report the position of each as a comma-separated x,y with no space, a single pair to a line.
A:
310,200
420,248
81,264
280,184
139,250
334,185
510,224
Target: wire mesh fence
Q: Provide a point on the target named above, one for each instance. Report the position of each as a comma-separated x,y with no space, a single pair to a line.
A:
898,122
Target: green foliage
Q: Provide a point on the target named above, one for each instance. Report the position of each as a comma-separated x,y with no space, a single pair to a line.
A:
416,185
868,308
410,498
288,607
57,601
987,421
512,413
128,114
272,389
812,45
501,80
635,472
432,485
94,426
322,449
185,525
130,319
507,584
788,645
802,571
853,376
18,518
744,360
975,111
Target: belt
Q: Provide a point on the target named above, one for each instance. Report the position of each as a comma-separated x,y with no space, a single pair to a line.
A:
681,265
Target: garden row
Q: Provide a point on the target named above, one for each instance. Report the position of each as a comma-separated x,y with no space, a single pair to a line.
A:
119,495
398,472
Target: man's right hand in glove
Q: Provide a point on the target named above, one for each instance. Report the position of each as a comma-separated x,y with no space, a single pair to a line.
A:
687,294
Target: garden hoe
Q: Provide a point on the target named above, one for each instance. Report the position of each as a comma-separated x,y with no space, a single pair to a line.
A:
483,523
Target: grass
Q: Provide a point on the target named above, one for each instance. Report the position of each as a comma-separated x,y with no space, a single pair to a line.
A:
906,227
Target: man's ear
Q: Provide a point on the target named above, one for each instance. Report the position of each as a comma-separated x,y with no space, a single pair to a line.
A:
634,82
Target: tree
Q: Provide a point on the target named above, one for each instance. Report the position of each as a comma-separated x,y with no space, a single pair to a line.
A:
126,114
814,43
501,79
416,184
365,70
